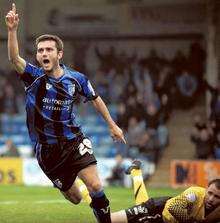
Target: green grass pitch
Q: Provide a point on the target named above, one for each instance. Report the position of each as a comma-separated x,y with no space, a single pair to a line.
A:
20,204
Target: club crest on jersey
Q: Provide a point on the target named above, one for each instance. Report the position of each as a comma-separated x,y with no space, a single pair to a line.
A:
48,86
71,89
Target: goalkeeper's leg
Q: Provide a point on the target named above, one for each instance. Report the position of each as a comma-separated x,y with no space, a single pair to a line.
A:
134,170
140,192
83,190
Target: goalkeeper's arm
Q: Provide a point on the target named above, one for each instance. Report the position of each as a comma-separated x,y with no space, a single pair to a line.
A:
180,209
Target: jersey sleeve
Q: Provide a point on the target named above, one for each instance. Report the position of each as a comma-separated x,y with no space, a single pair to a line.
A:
31,73
87,89
181,206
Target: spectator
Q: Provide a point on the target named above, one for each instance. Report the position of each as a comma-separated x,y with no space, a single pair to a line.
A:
10,149
196,59
203,141
10,103
215,101
135,130
122,62
153,62
217,146
164,89
130,90
147,87
179,62
102,85
54,17
199,122
132,106
149,146
3,83
115,89
154,119
107,59
122,116
117,175
187,86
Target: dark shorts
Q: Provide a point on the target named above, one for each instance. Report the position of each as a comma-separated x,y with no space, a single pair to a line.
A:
62,162
149,211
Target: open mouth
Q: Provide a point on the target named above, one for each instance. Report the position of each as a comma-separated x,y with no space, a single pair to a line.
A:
209,206
46,61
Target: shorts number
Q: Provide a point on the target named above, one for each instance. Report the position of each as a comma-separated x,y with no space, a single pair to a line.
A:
85,147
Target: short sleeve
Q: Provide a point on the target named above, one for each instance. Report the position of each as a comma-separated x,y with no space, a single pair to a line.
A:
31,73
87,90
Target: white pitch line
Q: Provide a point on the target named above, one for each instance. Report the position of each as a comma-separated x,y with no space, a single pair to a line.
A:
50,201
35,202
8,202
57,201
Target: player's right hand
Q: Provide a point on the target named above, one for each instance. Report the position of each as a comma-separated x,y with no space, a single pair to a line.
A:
12,19
117,133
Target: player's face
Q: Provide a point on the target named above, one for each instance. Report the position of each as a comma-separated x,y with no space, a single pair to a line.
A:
212,198
48,55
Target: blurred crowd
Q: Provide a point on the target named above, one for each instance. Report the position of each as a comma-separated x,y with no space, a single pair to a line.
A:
206,132
146,91
11,94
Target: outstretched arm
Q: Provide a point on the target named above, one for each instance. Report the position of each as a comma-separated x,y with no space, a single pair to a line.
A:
12,21
115,131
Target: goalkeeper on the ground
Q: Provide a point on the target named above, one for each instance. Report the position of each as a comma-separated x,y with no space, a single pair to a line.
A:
195,204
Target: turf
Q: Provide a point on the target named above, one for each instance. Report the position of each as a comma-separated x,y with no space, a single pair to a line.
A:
20,204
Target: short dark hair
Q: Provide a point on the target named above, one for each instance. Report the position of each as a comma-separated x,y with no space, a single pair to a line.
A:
56,39
216,182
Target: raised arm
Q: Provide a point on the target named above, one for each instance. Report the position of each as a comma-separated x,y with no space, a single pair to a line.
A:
12,21
115,131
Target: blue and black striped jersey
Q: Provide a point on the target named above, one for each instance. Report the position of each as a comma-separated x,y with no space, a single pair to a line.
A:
50,101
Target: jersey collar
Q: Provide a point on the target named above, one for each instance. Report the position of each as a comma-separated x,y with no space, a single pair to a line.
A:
65,71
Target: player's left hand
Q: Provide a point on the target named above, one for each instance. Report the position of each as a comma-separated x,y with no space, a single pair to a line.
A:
117,133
